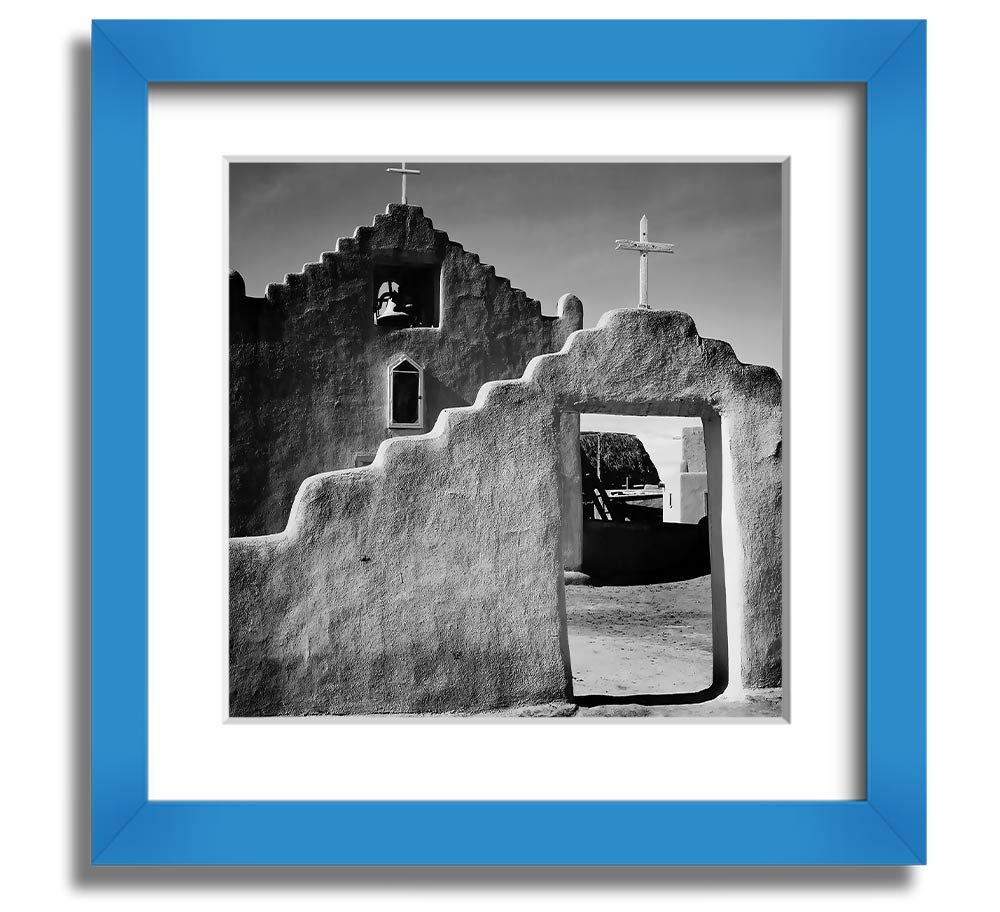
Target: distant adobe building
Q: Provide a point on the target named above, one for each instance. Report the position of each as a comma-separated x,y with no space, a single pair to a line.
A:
372,342
685,495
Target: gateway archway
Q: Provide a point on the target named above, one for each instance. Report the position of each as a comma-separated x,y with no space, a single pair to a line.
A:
630,552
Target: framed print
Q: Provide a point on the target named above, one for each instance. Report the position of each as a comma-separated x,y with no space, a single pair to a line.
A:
415,565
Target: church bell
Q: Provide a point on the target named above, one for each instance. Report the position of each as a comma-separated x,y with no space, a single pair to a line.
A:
393,316
393,313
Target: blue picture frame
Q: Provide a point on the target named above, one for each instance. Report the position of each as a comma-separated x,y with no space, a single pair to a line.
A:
889,826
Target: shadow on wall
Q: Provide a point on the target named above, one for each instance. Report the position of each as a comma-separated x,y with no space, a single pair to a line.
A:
631,553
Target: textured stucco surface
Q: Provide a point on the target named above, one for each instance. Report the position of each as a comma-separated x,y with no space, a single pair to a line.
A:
693,487
693,449
431,580
308,367
572,482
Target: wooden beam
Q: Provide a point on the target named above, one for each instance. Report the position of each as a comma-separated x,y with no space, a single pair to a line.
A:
644,246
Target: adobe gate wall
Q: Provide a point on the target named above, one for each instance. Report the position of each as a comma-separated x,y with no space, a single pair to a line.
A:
432,580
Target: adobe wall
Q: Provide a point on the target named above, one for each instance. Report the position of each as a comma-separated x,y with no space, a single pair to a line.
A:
572,490
632,553
693,487
693,449
308,367
432,579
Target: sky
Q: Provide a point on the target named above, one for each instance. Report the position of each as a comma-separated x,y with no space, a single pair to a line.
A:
550,228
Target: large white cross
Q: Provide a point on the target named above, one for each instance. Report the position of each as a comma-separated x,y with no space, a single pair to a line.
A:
404,171
643,247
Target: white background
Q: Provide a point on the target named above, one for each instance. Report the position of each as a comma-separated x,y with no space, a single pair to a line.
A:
45,469
819,756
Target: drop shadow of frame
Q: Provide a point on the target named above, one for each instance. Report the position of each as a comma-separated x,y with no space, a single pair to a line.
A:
395,879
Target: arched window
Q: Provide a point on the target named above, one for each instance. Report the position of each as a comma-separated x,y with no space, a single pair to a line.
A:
406,394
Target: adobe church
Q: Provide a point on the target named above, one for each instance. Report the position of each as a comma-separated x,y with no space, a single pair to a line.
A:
372,342
405,480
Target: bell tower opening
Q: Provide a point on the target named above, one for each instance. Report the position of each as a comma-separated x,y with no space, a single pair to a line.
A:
406,294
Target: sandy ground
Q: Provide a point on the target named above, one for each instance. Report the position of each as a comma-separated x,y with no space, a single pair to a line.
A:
656,639
653,639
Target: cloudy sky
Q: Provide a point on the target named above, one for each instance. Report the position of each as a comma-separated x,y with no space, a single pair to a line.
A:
550,228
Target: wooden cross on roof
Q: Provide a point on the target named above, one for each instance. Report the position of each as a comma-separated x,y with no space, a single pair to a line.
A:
404,171
642,247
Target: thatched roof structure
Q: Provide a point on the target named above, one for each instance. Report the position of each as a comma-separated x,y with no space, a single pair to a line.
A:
623,459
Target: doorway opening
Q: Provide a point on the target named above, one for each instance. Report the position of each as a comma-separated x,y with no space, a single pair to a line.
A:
645,615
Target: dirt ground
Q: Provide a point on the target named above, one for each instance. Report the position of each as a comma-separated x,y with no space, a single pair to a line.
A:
654,639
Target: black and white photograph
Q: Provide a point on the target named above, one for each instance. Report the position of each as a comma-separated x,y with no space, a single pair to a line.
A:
471,457
505,437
